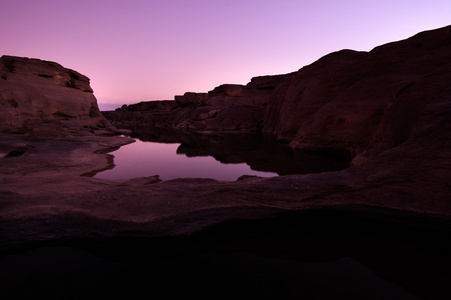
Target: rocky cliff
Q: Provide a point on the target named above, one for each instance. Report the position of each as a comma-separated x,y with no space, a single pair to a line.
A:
366,102
43,96
360,102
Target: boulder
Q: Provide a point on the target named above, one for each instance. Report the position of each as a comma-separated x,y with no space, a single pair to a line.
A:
34,93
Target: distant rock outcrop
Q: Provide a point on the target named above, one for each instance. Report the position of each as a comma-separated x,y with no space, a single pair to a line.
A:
191,98
227,108
37,95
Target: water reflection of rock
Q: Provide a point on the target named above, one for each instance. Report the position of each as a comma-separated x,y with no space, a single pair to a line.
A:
260,152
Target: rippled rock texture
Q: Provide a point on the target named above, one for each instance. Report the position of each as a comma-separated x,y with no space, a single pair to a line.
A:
44,97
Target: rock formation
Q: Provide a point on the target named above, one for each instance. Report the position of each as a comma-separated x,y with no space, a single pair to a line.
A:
227,108
383,223
365,102
360,102
38,95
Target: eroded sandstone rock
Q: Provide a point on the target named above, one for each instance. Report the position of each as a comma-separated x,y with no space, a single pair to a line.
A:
190,98
226,108
36,93
364,102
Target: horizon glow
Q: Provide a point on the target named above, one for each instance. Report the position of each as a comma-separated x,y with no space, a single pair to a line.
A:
140,50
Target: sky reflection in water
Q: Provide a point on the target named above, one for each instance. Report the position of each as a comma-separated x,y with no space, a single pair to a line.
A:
141,159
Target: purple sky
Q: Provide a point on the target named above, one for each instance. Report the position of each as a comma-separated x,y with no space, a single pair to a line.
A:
138,50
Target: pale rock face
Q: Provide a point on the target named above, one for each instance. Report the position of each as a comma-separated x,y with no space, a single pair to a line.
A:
35,92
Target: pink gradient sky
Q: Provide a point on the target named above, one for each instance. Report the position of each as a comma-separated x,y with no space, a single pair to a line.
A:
140,50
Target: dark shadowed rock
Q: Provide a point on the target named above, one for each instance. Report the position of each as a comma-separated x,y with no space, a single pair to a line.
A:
163,105
226,108
190,98
231,90
364,102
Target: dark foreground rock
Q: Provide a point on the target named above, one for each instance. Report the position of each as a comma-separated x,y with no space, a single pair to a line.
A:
319,254
378,229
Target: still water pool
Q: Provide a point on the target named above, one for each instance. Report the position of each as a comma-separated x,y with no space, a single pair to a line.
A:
172,154
151,158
